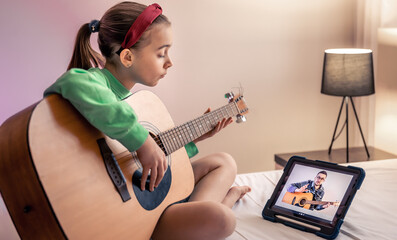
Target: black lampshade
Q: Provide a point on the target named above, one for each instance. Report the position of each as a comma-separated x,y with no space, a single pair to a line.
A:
348,72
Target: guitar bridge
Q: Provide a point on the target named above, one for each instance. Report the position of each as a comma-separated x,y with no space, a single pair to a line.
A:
114,170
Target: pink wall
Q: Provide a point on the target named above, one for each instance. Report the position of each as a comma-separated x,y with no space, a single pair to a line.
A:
273,48
36,44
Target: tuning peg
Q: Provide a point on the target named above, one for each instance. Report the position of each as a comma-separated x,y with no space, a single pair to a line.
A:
241,118
229,96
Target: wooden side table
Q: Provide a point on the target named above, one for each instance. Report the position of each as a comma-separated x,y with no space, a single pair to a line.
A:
356,154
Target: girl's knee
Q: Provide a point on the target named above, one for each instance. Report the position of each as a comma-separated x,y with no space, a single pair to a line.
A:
222,163
227,161
220,220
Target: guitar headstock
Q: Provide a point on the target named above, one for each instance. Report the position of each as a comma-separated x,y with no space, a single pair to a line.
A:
241,105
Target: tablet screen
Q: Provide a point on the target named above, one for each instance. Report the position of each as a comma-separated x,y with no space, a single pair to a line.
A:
314,193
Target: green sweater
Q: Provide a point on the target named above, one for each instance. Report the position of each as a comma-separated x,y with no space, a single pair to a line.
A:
98,96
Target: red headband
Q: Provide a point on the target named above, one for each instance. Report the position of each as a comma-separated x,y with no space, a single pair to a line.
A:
140,25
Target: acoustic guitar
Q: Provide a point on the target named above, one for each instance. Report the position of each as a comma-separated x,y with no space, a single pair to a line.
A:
61,178
303,200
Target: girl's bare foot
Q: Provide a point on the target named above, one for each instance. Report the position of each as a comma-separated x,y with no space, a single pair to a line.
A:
234,194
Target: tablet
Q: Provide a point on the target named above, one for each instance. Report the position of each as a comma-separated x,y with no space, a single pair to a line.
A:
313,196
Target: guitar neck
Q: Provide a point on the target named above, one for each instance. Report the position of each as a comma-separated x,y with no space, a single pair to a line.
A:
319,202
177,137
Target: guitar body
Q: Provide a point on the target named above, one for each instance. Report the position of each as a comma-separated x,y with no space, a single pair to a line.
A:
54,181
298,199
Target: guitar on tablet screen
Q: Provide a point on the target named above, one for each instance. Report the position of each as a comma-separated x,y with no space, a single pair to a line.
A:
304,200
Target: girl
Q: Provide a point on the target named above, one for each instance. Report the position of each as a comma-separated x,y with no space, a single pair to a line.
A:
134,41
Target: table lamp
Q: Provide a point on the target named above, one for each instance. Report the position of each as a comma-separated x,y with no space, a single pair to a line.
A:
348,72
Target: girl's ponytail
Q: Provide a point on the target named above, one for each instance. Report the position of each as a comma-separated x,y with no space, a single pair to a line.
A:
83,55
112,29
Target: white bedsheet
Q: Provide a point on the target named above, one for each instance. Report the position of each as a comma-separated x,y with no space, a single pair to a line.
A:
372,214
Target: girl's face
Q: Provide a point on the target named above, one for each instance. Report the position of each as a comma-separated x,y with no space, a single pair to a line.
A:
151,62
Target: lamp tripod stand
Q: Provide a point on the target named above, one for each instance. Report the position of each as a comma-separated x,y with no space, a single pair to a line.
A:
345,101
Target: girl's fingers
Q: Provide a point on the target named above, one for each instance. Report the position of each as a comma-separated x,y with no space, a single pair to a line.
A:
229,121
223,123
145,173
220,125
165,164
217,128
153,177
160,174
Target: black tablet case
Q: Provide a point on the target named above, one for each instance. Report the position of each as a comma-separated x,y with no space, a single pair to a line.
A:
270,215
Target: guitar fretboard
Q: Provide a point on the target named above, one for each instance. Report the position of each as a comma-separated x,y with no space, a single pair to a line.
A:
177,137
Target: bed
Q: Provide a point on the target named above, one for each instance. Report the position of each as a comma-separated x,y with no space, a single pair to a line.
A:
372,214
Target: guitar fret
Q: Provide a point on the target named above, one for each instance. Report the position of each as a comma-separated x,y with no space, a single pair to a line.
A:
201,125
183,133
227,112
210,122
181,136
204,124
207,127
192,131
195,134
224,112
216,115
161,140
214,118
198,127
219,116
221,112
172,143
210,119
171,140
176,138
158,142
231,109
187,133
167,141
235,107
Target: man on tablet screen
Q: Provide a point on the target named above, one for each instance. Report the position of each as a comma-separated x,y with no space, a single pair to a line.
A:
304,192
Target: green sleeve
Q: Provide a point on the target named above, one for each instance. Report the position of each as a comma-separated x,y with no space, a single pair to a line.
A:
191,149
92,96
